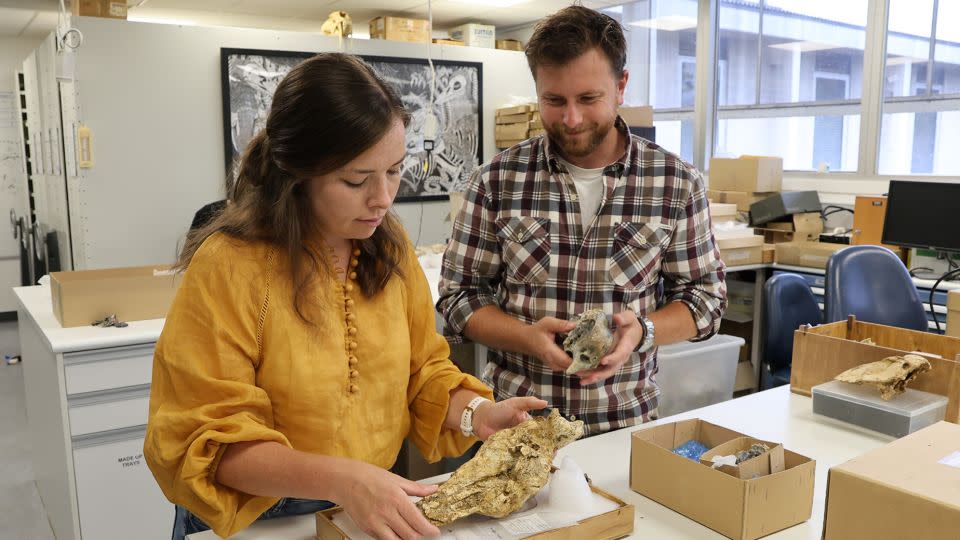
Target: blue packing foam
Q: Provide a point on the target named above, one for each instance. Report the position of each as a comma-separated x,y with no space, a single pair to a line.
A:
691,449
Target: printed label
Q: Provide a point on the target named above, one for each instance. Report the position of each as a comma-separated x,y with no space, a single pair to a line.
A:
530,524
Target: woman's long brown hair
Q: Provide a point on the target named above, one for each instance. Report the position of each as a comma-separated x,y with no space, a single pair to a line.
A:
327,111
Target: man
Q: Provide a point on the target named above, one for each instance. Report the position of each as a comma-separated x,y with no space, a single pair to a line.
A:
586,217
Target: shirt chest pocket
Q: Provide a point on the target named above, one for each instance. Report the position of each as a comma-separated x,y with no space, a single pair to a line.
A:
637,250
525,248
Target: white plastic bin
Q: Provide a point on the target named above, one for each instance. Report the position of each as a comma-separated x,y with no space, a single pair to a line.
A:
697,374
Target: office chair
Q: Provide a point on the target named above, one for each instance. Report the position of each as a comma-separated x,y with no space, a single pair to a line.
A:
871,283
788,303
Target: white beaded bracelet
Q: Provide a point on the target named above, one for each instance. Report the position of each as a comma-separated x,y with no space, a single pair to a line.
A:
466,418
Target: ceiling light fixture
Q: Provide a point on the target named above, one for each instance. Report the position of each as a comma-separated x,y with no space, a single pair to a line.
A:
161,20
489,3
805,46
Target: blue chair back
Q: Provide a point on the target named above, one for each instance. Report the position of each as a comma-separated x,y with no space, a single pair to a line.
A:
788,303
872,284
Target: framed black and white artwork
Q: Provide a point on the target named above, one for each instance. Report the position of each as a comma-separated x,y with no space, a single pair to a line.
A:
250,77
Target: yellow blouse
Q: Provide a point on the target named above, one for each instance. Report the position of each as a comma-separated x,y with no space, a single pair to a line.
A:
234,363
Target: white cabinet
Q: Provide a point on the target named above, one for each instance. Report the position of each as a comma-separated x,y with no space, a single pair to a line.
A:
88,397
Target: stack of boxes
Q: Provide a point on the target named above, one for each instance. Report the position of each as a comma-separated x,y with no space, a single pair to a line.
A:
516,124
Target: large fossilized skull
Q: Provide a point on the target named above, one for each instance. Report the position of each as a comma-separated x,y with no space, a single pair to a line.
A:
510,467
589,341
890,375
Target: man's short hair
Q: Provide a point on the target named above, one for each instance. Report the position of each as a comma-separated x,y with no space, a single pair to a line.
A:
572,31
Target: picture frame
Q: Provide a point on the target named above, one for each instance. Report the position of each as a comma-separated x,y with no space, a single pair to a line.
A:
250,76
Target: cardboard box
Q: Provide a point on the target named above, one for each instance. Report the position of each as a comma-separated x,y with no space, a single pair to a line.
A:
906,489
637,116
508,143
607,526
769,462
822,352
721,212
806,227
953,313
516,118
736,508
400,29
809,254
509,44
456,42
745,377
512,131
516,109
742,199
476,35
740,250
112,9
132,294
769,252
747,174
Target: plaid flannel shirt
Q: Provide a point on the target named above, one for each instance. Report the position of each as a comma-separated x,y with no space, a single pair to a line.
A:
518,243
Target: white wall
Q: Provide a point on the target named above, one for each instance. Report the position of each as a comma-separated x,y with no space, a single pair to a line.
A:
151,95
13,50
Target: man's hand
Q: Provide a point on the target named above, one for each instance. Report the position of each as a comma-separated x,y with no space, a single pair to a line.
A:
490,418
626,338
541,342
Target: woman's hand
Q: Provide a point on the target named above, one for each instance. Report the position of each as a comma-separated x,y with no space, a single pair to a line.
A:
490,417
377,501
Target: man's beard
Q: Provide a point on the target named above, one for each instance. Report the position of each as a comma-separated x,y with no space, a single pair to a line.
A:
582,147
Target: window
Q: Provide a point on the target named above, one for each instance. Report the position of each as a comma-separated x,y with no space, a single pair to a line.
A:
792,83
920,125
661,52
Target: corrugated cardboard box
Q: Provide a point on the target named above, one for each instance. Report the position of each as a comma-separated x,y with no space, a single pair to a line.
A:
510,44
456,42
742,199
747,174
769,462
641,116
476,35
132,294
805,227
740,250
736,508
809,254
607,526
512,131
953,313
112,9
400,29
721,212
769,252
906,489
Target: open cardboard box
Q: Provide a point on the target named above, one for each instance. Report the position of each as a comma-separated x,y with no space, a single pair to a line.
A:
132,294
766,463
607,526
906,489
736,508
820,353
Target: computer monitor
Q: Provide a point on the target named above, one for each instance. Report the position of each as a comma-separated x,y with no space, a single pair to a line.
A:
923,215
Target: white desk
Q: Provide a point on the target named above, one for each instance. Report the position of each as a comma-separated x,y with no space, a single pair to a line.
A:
774,415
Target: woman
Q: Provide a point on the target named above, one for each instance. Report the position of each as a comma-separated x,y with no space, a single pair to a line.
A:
301,348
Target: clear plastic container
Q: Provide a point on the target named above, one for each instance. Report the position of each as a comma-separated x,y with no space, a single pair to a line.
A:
863,406
694,375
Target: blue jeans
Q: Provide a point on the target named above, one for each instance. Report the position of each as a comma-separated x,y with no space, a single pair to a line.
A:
184,522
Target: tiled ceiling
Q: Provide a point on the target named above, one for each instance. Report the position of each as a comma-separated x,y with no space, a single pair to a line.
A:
38,17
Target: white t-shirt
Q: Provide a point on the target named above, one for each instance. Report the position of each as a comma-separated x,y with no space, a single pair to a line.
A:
590,189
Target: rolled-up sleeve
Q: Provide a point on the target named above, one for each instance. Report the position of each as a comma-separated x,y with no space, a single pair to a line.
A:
692,270
432,374
204,395
471,264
